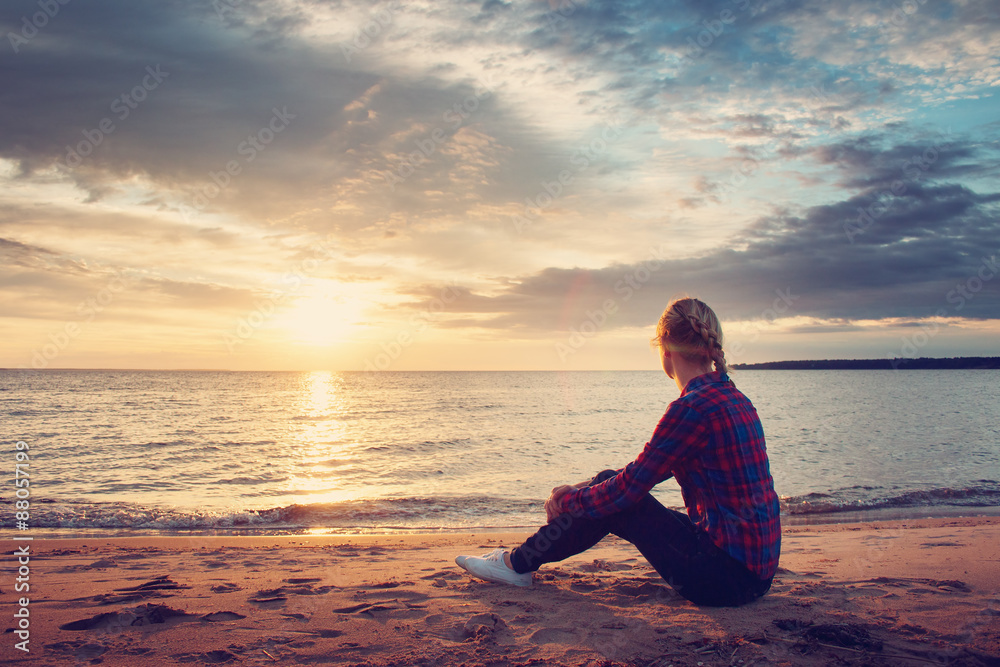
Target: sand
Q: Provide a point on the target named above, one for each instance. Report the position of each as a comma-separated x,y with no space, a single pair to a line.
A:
884,593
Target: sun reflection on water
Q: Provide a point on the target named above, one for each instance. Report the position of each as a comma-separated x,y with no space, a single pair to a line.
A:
319,437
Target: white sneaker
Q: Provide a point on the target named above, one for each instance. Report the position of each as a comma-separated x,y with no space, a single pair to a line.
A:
492,568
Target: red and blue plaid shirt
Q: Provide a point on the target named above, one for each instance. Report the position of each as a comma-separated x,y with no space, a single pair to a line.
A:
710,439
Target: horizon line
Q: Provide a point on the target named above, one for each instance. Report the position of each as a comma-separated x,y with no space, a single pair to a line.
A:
474,370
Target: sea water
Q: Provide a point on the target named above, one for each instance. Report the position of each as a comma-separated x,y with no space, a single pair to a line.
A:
118,452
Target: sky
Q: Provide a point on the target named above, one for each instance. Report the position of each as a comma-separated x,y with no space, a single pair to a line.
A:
524,185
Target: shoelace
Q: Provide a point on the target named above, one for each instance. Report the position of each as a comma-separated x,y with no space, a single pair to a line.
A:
496,554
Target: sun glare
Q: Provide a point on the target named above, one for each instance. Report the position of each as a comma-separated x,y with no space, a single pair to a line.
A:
324,315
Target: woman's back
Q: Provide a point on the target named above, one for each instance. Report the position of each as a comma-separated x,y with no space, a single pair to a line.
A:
725,477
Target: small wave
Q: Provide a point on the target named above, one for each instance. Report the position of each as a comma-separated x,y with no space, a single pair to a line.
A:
464,511
445,512
986,493
423,447
251,481
336,463
315,418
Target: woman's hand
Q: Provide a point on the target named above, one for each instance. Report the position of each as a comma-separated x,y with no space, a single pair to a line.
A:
553,506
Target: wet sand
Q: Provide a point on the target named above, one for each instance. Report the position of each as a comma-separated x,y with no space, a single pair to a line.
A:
904,592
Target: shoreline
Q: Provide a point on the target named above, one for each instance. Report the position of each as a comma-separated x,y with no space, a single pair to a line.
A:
862,516
878,592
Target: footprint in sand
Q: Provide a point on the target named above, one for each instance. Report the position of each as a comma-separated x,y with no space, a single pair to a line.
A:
217,657
446,575
158,584
78,649
268,601
328,633
407,596
151,589
222,616
226,587
585,585
391,584
642,591
913,583
554,636
276,597
601,565
402,605
486,625
147,614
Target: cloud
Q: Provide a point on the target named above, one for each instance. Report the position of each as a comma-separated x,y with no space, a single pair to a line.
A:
918,248
843,151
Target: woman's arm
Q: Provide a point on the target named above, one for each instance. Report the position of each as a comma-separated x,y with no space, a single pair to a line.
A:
553,506
679,432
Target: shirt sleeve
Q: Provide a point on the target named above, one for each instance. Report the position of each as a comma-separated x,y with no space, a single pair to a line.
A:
681,430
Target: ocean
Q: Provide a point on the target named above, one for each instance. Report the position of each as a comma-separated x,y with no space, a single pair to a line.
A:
175,452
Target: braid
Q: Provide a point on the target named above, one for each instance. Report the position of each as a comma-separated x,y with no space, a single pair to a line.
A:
702,337
711,338
700,329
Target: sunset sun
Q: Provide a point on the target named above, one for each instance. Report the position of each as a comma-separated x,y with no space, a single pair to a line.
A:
325,314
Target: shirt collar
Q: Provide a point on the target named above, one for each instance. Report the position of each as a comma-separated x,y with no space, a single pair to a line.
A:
705,378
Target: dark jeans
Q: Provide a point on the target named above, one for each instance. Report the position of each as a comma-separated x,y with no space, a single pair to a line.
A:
683,554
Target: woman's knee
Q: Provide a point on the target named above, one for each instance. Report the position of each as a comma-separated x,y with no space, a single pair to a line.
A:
603,475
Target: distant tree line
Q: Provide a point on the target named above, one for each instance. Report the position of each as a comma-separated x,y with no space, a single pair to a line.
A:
958,363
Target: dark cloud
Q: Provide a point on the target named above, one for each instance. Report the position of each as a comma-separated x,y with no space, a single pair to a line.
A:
871,161
873,255
176,91
15,252
210,84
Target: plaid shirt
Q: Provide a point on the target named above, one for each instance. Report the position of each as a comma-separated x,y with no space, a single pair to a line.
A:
711,440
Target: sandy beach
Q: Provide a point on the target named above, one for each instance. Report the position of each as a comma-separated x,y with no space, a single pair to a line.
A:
885,593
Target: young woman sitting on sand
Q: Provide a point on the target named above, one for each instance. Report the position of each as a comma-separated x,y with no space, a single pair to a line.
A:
724,551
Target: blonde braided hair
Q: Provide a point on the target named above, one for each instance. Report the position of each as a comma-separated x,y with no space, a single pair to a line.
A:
691,328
